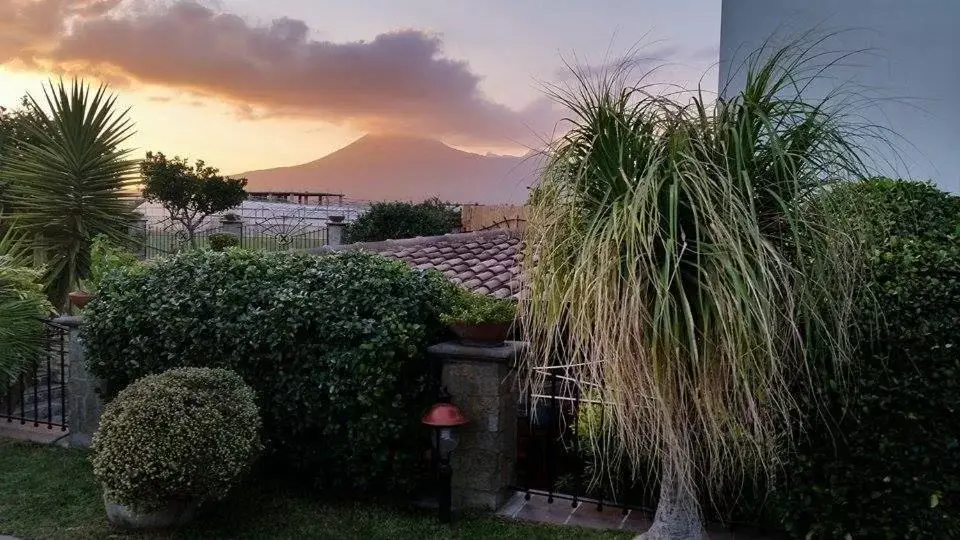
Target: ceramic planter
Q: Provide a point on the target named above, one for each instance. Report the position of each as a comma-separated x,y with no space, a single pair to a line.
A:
175,514
78,299
481,334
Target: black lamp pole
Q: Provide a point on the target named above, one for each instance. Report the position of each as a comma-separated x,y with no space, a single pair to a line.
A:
445,474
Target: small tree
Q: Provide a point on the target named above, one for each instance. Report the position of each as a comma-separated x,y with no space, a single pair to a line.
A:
189,193
395,220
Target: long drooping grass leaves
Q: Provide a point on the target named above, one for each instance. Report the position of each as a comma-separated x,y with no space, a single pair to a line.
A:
680,262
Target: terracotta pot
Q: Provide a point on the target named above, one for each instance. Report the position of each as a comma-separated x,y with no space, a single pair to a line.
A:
78,299
482,334
175,514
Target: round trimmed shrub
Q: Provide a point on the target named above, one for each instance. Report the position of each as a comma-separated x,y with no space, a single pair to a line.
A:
222,241
185,435
334,346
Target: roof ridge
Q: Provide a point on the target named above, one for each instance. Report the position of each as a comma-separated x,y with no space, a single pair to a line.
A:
422,240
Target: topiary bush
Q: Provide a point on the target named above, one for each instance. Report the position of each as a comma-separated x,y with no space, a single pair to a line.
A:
334,345
880,457
185,435
222,241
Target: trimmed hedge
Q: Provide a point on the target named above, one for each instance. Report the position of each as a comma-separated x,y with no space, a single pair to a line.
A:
334,346
185,434
882,458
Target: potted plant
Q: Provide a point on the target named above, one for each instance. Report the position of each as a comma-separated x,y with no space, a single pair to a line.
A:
105,257
479,319
171,442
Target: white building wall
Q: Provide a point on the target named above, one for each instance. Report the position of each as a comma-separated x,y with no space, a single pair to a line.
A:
912,66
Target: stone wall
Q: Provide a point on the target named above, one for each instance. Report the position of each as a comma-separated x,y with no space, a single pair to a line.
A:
482,382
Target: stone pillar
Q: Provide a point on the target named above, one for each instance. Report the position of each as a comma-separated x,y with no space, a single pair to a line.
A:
482,382
335,231
234,227
83,403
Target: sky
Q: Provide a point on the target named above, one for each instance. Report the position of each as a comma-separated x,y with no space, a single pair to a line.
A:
250,84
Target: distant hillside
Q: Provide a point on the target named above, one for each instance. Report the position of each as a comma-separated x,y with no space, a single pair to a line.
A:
381,167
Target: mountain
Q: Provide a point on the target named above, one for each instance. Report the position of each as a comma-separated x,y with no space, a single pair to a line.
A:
393,167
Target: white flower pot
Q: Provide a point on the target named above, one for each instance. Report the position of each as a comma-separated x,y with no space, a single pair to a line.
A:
175,514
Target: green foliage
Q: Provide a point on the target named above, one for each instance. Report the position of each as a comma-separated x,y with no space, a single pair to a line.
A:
69,180
222,241
105,257
395,220
189,193
883,207
879,459
472,308
22,306
333,344
182,435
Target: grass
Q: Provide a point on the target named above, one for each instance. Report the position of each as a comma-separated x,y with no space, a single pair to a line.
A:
49,492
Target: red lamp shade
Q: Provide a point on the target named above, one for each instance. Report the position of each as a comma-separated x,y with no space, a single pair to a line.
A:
444,415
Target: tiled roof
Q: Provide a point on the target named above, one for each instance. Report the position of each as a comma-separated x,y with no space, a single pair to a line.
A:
486,262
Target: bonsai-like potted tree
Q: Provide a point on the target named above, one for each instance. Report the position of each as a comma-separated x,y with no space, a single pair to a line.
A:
171,442
479,319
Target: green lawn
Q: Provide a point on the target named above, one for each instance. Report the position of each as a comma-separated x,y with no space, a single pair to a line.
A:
48,492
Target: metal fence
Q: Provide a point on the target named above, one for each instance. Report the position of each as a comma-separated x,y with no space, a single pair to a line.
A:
555,460
38,397
167,237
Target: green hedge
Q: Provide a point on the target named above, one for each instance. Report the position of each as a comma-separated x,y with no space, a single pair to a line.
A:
881,459
333,345
393,220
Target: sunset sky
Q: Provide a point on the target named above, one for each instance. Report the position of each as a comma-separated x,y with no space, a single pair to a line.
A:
249,84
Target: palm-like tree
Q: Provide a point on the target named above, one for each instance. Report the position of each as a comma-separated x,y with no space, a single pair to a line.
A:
682,262
70,180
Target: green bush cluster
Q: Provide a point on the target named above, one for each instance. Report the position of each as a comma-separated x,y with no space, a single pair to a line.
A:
394,220
106,257
222,241
186,434
472,308
880,457
334,346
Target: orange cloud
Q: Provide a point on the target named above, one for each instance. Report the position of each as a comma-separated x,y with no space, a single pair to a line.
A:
396,82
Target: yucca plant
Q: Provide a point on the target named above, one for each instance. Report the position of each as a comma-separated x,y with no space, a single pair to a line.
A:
683,263
70,180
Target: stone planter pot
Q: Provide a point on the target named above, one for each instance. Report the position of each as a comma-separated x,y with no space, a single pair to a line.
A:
481,334
78,299
176,514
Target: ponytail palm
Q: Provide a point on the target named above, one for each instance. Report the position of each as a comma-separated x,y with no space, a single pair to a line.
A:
683,265
70,180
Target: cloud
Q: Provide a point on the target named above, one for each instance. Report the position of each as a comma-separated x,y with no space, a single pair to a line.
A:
396,82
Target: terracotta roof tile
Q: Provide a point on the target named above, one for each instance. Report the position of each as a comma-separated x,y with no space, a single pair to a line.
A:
485,262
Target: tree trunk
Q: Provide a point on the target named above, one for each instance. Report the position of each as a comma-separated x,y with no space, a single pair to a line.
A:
678,514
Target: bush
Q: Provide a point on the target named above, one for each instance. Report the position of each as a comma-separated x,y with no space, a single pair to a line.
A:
395,220
222,241
183,435
881,458
472,308
334,346
23,305
106,257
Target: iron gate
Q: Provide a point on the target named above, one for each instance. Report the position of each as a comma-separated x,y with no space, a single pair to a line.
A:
38,396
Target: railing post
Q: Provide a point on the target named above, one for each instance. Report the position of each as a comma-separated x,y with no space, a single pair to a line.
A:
84,404
482,381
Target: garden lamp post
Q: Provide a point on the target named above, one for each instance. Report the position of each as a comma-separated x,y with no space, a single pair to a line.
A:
444,418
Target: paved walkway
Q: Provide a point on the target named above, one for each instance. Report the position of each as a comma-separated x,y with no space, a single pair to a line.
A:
585,514
27,432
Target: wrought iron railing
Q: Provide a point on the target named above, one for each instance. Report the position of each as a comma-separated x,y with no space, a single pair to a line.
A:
38,396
